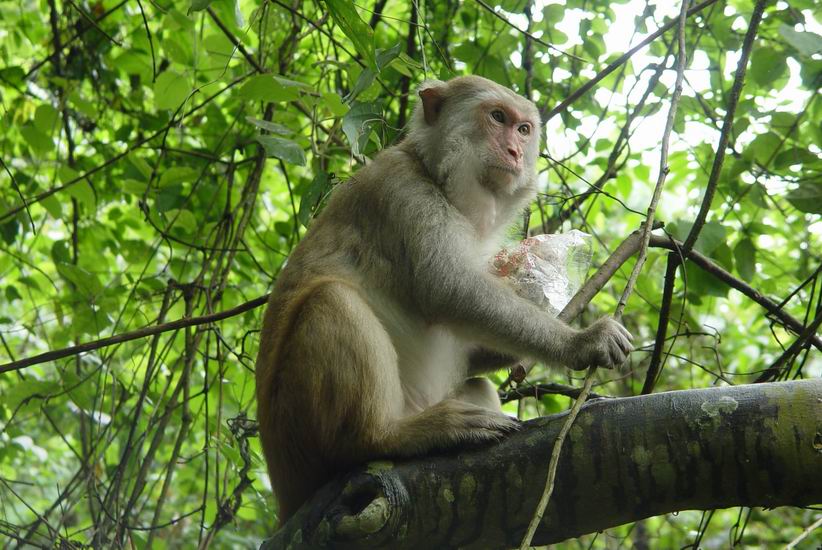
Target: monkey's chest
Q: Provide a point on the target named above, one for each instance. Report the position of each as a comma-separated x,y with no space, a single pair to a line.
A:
431,364
431,359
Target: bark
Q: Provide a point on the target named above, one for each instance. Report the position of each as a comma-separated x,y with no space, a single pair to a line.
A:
625,459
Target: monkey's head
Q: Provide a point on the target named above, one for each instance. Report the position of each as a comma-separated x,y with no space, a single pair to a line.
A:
471,128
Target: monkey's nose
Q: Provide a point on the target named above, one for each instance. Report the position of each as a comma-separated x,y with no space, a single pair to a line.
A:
514,153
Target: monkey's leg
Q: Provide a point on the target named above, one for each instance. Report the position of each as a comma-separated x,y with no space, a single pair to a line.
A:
326,393
479,391
448,424
336,399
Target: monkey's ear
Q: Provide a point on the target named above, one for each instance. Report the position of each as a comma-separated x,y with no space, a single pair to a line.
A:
432,99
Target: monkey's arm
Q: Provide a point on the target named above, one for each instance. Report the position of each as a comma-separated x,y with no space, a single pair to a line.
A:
482,360
450,285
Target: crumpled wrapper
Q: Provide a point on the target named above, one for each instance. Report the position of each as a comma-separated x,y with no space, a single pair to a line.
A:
547,269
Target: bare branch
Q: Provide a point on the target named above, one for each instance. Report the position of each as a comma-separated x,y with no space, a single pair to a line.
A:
133,335
582,90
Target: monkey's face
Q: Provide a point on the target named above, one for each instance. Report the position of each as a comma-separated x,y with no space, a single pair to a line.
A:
510,141
475,129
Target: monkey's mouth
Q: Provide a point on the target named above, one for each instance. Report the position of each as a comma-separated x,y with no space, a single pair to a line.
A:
514,171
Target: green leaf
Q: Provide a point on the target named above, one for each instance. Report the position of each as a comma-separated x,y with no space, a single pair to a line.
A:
9,230
265,87
12,293
795,155
807,197
86,283
134,187
28,389
365,80
199,5
272,127
702,283
552,14
53,206
385,57
346,17
83,192
745,256
46,118
357,124
80,103
723,256
334,104
79,390
178,174
310,199
284,228
409,62
806,43
30,282
60,251
170,90
142,168
184,220
170,197
762,148
40,143
768,66
14,75
283,149
710,237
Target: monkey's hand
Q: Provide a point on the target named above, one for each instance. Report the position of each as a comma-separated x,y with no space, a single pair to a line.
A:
605,343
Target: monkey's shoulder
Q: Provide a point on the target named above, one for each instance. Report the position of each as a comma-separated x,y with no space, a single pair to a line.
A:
396,179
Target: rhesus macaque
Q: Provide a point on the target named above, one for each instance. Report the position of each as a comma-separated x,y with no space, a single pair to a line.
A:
386,311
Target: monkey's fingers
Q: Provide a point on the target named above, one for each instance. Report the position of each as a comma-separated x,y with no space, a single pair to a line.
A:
626,333
617,353
625,345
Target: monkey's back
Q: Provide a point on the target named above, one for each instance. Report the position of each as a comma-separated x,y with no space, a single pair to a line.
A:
351,251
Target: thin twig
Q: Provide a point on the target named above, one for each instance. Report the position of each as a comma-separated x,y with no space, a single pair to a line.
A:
727,128
662,323
647,226
629,287
538,390
710,189
235,41
139,143
528,34
706,264
552,466
579,92
94,23
133,335
804,534
793,350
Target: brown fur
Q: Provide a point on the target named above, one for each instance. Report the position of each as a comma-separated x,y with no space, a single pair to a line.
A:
374,325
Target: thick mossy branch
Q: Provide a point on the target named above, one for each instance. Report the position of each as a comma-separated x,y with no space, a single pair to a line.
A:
624,459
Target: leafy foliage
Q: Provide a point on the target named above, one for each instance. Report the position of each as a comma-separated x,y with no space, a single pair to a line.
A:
159,160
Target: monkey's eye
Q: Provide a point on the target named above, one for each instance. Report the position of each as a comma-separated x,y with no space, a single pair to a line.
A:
498,115
524,129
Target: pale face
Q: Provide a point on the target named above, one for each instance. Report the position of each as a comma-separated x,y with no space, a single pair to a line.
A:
511,137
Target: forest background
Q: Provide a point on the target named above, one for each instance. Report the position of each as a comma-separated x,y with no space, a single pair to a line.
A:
159,160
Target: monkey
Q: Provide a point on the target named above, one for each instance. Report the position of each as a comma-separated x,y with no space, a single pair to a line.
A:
386,313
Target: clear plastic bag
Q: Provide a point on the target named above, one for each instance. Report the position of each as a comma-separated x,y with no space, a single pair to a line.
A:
547,269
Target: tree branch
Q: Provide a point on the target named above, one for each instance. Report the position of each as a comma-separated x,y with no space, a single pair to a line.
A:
582,90
133,335
627,459
727,128
538,390
706,264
